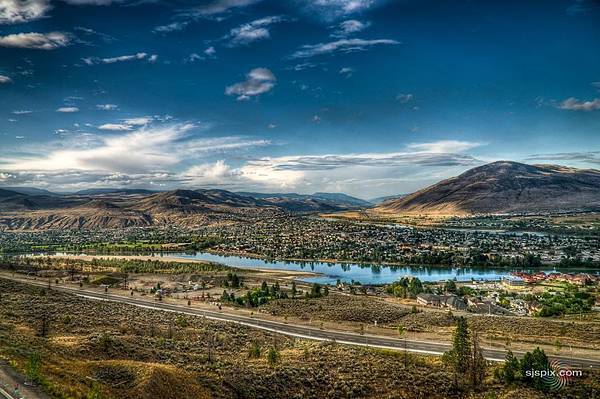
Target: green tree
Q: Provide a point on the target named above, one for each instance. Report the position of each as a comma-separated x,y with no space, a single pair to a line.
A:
459,357
478,365
509,372
532,361
315,290
450,286
294,290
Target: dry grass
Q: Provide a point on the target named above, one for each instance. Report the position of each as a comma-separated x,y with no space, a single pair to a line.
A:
121,351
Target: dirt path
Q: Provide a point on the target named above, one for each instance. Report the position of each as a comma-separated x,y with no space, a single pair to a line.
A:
12,385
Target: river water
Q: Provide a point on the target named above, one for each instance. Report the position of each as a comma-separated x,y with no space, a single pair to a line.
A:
329,273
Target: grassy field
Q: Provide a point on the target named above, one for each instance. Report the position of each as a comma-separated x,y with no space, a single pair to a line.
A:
92,349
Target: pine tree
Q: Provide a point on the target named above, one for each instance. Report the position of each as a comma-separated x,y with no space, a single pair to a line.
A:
478,364
459,356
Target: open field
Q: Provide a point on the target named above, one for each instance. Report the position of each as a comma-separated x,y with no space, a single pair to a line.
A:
128,352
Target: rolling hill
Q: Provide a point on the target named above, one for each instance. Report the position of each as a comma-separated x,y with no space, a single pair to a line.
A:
317,202
505,187
118,208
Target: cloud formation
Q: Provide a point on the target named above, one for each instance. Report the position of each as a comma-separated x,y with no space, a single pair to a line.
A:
342,46
37,41
92,2
259,81
67,109
404,98
107,107
334,9
221,6
20,11
350,27
573,104
5,79
591,157
121,58
141,157
127,124
252,31
172,27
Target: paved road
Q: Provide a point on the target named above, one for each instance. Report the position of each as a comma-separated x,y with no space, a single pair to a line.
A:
301,331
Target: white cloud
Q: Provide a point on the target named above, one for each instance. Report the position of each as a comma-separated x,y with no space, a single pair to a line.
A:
221,6
209,173
342,45
444,146
210,51
115,127
350,27
404,98
67,109
37,41
107,107
172,27
252,31
259,81
145,156
5,79
334,9
139,121
382,173
121,58
573,104
127,124
347,71
20,11
22,112
92,2
193,57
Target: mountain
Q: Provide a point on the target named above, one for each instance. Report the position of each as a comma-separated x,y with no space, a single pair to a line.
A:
505,187
104,191
342,198
317,202
6,193
380,200
118,210
29,190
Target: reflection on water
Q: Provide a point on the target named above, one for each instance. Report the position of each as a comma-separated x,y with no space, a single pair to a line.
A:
346,272
330,272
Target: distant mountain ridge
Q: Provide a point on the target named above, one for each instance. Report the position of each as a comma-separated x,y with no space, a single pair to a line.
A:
497,188
317,202
117,208
505,187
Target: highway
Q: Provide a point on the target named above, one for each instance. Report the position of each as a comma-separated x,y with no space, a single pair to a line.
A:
301,331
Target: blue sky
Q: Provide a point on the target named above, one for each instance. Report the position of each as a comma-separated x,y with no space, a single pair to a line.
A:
367,97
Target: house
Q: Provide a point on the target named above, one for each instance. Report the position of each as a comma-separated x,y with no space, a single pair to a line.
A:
428,300
454,302
448,301
513,281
